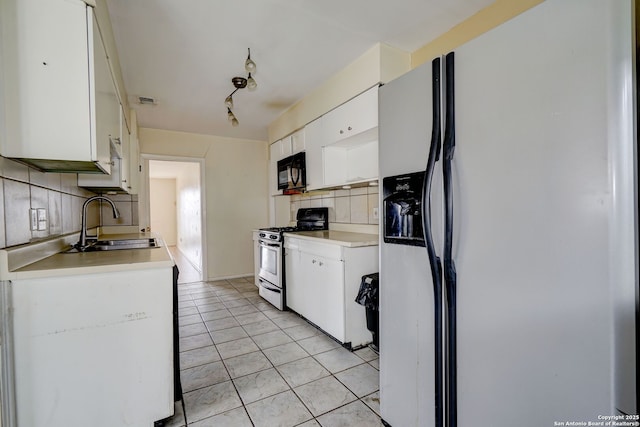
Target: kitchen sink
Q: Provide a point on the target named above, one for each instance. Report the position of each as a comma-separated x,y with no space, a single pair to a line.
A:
110,245
114,245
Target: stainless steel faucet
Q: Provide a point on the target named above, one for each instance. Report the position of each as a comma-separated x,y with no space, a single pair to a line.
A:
82,244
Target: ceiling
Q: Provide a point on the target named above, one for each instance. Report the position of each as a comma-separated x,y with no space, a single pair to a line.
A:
184,53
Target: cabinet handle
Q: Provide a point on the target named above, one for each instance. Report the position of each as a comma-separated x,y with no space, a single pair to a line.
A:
124,180
313,261
320,263
349,128
341,131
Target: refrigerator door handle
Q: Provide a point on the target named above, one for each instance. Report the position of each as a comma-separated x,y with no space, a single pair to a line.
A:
449,265
434,260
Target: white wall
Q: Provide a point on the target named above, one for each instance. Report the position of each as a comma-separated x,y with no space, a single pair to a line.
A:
162,200
188,213
379,64
236,192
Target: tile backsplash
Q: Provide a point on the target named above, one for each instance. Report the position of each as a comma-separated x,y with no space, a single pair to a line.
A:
23,188
354,206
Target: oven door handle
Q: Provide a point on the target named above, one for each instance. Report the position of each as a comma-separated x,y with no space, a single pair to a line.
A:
269,288
269,245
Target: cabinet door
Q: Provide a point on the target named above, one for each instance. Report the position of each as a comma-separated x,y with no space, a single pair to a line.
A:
286,147
107,106
45,78
119,179
295,280
134,163
326,293
298,141
125,142
353,117
313,148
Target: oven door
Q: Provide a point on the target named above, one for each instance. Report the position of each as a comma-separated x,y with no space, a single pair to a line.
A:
271,262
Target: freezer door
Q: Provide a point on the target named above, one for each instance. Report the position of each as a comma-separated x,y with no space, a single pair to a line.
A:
536,116
406,294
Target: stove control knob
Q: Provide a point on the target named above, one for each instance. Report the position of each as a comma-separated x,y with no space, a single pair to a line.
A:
273,237
262,235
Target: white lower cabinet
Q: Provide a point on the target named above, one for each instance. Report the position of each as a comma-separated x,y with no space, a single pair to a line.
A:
94,349
322,281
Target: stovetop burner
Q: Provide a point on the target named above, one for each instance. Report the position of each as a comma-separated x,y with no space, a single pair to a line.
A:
308,219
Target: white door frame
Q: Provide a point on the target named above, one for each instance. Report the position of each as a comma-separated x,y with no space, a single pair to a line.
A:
144,214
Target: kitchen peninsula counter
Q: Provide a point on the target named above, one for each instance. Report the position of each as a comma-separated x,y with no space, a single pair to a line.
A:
107,316
65,264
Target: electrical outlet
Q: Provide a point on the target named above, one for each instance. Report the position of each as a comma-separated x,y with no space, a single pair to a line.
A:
375,213
42,219
33,215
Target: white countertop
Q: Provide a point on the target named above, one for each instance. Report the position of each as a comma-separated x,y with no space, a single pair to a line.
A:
65,264
342,238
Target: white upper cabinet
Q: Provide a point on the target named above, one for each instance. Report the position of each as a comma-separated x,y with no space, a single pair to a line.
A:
341,146
280,149
313,148
352,118
350,132
135,168
120,178
111,127
285,147
48,110
298,141
107,104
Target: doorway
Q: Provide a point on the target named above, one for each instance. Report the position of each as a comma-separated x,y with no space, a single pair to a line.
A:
174,208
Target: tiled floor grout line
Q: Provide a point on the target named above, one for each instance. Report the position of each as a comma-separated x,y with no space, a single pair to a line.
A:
196,291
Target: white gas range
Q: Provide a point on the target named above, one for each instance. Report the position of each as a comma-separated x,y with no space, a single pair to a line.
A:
271,277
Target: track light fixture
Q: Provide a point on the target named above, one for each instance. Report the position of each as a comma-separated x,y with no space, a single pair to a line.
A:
240,83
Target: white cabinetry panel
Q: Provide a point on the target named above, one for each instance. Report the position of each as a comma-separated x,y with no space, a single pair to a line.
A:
313,148
89,342
325,293
285,147
322,283
296,282
47,83
353,117
298,141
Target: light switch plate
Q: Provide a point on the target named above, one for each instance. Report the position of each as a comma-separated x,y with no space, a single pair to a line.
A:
33,214
375,213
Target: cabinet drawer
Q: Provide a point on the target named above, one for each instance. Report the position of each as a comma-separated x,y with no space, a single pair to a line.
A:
326,250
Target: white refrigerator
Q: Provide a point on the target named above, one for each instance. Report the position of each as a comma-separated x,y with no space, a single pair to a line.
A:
543,226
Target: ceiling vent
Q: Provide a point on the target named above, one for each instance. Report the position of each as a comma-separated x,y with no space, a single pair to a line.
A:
146,100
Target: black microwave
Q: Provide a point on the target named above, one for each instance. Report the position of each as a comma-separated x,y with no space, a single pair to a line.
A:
292,172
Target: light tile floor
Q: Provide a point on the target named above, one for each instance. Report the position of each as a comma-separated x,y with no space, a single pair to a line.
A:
245,363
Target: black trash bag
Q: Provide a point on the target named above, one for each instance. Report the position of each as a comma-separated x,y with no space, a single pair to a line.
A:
368,293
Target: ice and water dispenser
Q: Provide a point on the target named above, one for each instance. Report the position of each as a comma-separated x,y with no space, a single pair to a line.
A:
402,209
